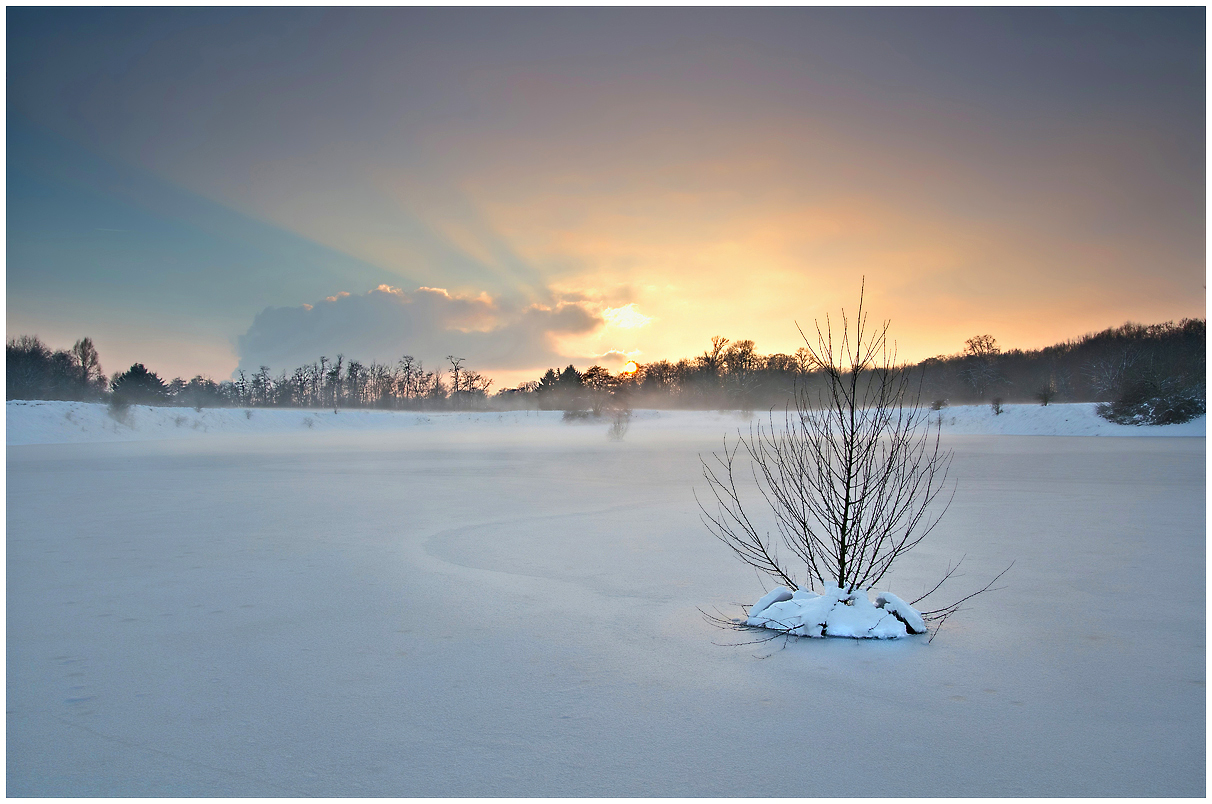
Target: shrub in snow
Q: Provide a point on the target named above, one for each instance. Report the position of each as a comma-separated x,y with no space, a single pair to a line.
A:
119,409
852,478
620,420
1151,401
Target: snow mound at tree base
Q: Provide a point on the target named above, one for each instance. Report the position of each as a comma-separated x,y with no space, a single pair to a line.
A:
836,613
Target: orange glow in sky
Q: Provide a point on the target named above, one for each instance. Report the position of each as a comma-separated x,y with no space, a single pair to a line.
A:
609,186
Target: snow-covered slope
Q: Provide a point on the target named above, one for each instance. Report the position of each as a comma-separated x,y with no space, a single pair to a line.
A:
45,422
1075,419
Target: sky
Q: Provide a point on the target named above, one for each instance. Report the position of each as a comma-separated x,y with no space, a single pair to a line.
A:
206,189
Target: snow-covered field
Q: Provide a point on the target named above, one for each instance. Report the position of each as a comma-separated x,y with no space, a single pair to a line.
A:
503,604
38,422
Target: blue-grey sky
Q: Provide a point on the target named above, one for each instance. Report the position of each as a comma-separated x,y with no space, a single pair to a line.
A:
198,189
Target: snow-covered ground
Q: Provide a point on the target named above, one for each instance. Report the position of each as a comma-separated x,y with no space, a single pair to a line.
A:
42,422
503,604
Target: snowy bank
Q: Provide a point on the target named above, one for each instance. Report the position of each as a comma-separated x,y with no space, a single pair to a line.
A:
1074,419
50,422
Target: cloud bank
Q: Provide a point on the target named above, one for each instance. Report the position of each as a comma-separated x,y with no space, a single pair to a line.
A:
429,324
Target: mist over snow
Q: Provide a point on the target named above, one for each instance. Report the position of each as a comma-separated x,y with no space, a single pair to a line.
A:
55,422
428,323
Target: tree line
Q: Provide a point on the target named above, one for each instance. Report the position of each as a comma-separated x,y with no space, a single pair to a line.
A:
35,372
1097,367
1129,362
1132,361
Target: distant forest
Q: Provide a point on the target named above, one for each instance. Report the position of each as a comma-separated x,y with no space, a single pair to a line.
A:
1109,366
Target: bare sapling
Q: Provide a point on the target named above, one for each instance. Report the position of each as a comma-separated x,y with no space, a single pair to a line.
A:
620,420
854,475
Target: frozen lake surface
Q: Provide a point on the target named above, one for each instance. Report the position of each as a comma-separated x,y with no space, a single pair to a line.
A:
484,605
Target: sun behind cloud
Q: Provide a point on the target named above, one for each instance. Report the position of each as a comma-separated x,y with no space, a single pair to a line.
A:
625,317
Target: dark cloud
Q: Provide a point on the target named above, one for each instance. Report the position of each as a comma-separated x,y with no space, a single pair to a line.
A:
429,324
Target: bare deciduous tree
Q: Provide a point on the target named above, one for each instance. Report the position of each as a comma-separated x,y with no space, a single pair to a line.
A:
620,420
980,372
713,360
1108,374
89,363
851,478
981,346
855,475
600,384
456,364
